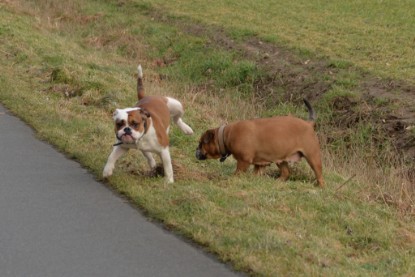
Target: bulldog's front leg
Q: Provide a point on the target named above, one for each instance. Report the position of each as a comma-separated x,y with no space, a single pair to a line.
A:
168,168
117,152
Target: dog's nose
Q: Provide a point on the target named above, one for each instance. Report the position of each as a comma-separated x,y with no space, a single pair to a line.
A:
199,155
127,130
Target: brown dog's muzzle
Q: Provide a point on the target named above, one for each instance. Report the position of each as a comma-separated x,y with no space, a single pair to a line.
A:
199,155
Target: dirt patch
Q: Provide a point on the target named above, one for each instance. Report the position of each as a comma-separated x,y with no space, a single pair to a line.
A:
397,108
286,76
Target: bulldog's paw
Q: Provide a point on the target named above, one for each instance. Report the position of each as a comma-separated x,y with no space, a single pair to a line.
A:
107,171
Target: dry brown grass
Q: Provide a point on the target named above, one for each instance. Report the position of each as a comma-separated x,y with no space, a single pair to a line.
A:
388,185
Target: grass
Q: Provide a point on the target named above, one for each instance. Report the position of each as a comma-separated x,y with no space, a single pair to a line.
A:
366,33
73,63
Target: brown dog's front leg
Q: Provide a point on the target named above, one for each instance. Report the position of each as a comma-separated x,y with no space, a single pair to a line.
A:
284,171
241,166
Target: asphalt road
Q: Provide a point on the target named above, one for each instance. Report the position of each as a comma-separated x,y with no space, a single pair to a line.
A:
56,220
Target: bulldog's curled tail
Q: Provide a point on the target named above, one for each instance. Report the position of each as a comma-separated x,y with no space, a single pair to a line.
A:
311,113
140,86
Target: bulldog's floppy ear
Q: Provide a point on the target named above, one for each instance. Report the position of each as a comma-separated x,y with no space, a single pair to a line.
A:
115,113
145,112
208,137
123,113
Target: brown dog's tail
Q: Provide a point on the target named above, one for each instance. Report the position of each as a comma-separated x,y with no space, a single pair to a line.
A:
311,113
140,87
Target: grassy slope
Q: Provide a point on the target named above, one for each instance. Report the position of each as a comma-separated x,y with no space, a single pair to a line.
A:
366,33
259,225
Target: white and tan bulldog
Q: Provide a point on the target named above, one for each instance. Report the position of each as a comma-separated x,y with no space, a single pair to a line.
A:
146,127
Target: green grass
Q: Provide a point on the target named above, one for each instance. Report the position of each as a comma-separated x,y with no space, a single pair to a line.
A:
366,33
65,76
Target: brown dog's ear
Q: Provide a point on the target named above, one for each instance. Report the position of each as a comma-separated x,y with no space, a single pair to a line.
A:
208,137
145,112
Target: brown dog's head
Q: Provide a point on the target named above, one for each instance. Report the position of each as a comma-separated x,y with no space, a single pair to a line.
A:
130,124
208,147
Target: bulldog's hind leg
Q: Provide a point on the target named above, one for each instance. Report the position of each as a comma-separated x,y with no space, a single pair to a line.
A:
150,160
167,166
176,112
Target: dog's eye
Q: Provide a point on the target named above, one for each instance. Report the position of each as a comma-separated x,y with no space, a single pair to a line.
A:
120,124
134,124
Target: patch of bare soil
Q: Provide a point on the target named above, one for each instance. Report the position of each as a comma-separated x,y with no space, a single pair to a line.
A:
398,112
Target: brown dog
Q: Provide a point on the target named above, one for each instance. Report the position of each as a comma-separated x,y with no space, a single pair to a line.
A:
261,142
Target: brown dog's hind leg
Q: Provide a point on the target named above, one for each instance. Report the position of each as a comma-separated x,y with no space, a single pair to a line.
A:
259,169
284,171
316,166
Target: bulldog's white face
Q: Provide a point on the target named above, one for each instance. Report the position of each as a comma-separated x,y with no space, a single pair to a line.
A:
130,124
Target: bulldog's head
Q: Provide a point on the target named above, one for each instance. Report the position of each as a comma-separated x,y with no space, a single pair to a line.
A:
130,124
208,147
